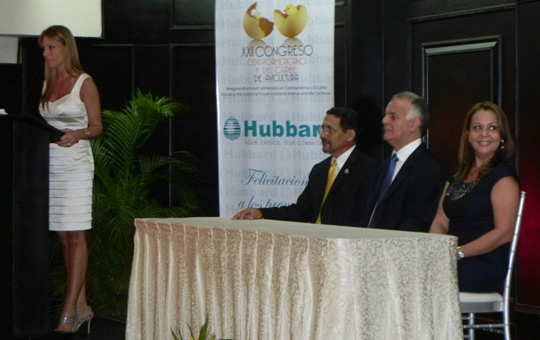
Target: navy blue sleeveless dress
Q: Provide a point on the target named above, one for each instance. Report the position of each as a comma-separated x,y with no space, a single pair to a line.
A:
469,208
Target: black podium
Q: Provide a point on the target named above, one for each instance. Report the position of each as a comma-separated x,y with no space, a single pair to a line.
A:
24,212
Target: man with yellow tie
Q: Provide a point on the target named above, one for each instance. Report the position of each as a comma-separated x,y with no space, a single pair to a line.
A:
338,186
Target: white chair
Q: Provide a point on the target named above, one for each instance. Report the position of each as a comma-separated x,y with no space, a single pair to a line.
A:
473,303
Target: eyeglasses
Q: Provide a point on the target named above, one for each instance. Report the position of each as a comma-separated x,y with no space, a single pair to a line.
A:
325,129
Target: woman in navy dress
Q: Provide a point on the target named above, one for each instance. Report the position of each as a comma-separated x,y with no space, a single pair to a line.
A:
480,202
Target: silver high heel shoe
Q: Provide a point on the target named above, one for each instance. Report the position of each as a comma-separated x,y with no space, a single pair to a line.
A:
83,315
68,320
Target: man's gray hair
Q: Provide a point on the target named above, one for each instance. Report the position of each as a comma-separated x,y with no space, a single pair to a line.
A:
418,108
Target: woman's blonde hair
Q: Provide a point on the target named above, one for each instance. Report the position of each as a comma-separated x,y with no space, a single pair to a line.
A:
466,155
62,35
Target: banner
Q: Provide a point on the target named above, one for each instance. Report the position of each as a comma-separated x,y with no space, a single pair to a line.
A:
275,82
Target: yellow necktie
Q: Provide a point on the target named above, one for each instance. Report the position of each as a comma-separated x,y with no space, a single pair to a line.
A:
329,183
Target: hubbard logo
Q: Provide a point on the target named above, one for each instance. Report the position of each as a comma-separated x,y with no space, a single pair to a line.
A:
232,129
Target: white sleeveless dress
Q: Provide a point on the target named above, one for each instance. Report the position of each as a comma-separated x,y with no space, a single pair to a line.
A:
71,169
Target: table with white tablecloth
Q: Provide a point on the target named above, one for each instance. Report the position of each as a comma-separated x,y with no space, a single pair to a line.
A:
276,280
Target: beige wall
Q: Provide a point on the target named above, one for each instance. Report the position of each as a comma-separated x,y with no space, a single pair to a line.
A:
30,17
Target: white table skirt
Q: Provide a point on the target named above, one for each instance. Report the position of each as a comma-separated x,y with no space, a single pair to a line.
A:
277,280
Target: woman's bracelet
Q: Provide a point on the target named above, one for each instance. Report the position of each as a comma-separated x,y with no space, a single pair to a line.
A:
459,253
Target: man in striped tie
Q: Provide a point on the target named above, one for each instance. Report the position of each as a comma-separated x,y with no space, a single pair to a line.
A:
408,185
338,187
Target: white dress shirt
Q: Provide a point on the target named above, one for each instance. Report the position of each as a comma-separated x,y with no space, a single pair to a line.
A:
404,153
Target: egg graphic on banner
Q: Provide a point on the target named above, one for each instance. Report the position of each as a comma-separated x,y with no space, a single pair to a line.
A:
255,25
292,21
231,128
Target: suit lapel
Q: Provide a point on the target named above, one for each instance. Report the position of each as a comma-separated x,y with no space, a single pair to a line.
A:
344,171
404,171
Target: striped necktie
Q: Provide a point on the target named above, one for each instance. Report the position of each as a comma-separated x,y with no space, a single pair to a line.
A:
329,182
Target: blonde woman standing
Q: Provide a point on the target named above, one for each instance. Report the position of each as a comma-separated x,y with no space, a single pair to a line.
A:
70,102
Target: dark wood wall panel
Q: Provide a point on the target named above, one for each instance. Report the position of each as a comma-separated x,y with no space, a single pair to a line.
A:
458,61
455,76
145,74
366,45
11,88
32,73
454,7
341,63
528,292
365,90
111,66
488,26
189,14
194,84
136,21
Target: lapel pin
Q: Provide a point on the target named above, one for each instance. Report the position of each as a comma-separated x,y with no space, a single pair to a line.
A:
347,171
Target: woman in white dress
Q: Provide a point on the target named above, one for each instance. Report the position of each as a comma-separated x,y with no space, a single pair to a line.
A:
70,102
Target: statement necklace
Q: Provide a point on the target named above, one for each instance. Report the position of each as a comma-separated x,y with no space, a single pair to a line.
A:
458,189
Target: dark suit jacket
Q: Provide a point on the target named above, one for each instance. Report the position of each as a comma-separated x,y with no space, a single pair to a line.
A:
412,199
346,202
